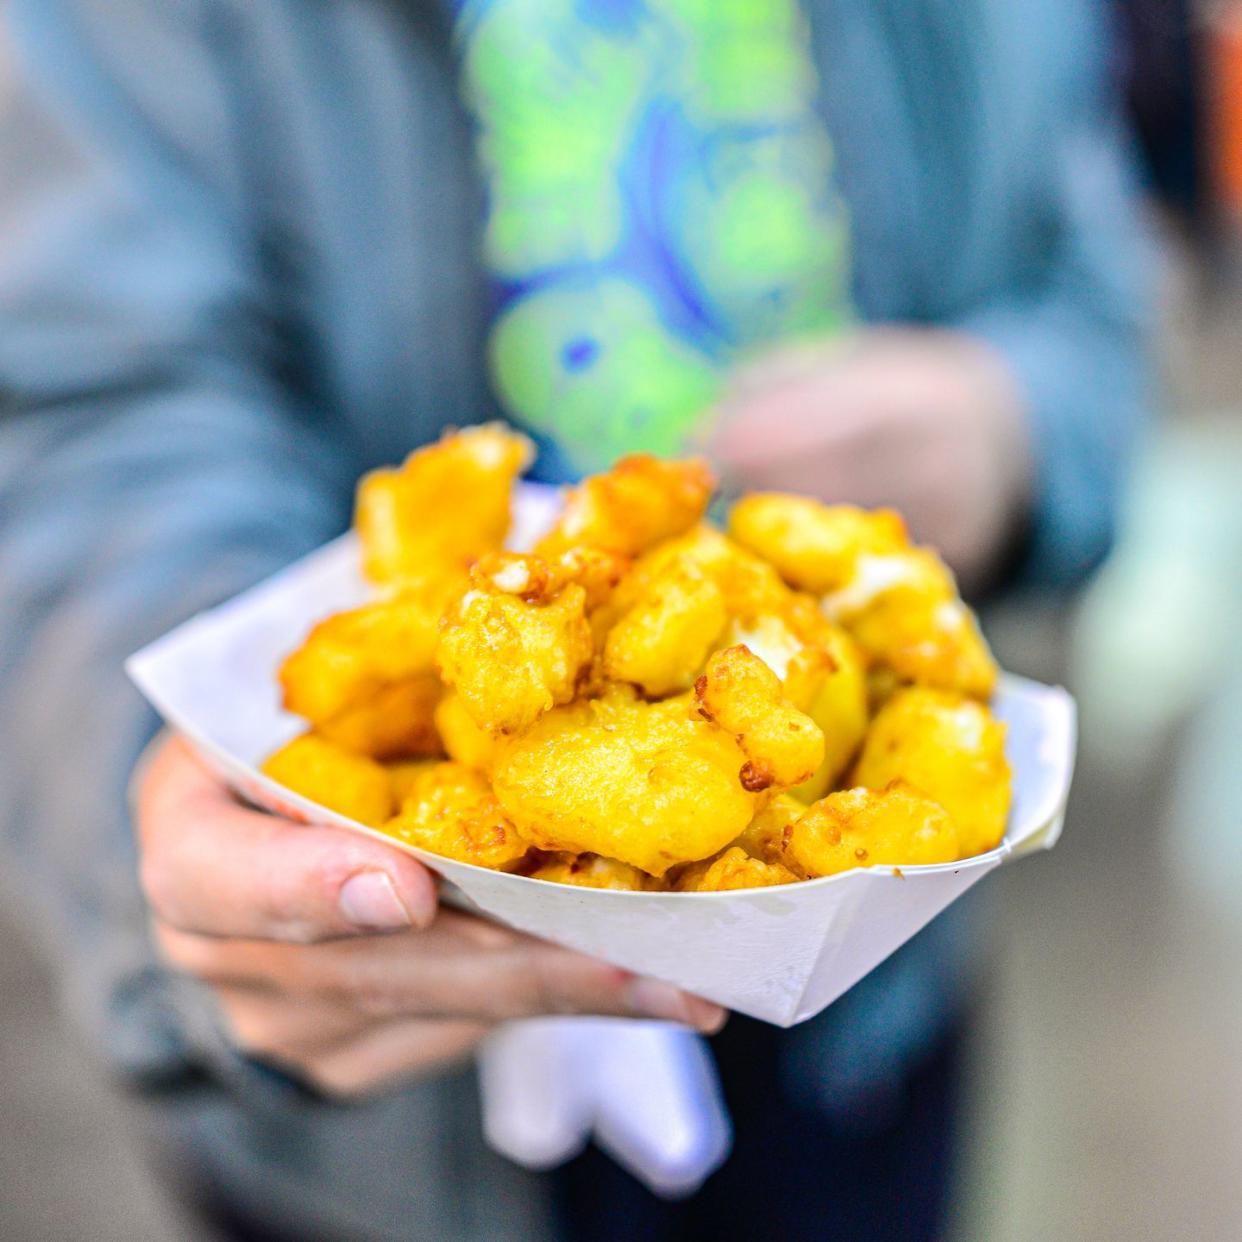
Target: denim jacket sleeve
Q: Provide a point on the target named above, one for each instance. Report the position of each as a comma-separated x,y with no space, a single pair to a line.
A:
150,464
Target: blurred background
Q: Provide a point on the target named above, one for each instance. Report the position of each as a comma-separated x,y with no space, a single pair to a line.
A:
1107,1095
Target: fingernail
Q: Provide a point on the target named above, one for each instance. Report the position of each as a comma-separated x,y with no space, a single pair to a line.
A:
652,999
706,1017
369,901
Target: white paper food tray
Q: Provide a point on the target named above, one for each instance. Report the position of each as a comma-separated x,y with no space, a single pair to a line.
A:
781,954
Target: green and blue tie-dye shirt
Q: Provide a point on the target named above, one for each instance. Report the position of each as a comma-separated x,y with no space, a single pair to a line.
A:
660,201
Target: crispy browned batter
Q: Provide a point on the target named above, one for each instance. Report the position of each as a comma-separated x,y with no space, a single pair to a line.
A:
732,869
765,836
783,746
515,644
450,809
866,827
592,871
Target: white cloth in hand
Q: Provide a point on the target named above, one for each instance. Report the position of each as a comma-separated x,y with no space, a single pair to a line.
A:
646,1092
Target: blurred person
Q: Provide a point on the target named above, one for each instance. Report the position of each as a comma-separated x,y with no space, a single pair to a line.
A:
1167,80
874,251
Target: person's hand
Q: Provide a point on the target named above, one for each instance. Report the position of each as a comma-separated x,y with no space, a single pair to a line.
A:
327,953
927,421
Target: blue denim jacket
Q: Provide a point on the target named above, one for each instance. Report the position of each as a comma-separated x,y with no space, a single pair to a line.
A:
237,268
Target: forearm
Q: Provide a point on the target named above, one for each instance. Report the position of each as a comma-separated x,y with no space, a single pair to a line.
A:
120,519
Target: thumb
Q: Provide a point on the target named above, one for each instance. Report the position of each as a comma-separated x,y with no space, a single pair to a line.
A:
214,867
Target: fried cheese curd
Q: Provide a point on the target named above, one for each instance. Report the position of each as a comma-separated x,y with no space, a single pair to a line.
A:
448,504
365,678
732,869
665,619
666,615
904,611
666,634
813,546
766,836
631,507
823,674
450,809
950,749
649,784
516,643
399,719
591,871
644,703
461,738
348,784
866,827
739,692
403,774
898,601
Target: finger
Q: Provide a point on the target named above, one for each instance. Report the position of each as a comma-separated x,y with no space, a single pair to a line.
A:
525,977
266,1024
846,461
384,1055
212,866
339,1050
461,967
790,361
310,971
786,421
